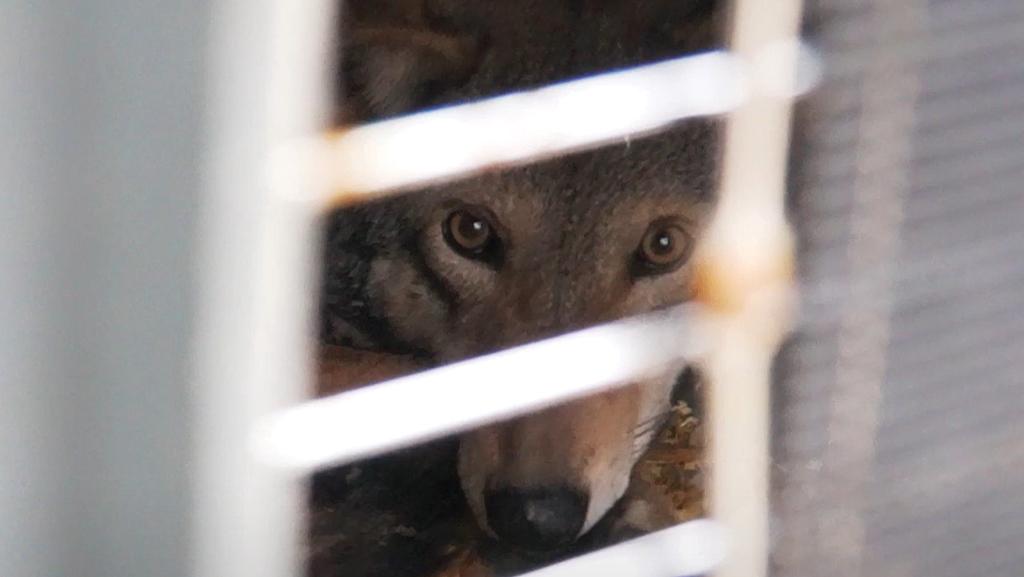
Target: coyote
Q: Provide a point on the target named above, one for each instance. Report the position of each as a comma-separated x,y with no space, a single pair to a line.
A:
504,258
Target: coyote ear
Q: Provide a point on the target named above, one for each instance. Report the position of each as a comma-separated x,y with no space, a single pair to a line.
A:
388,71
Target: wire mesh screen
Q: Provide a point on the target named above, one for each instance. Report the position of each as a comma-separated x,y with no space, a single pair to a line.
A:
899,443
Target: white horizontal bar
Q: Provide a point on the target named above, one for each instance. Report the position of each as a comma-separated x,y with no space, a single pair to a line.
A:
456,397
520,127
693,548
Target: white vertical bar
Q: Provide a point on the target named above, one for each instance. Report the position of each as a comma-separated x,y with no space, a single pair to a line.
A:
269,67
745,276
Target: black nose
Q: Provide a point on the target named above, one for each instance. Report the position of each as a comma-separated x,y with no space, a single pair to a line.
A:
537,519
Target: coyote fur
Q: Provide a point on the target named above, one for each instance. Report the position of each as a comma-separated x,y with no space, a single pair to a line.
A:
512,256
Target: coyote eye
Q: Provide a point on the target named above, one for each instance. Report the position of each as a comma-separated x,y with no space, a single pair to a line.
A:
664,247
471,235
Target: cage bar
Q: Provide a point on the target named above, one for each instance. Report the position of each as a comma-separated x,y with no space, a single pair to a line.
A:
453,141
745,277
392,415
692,548
258,259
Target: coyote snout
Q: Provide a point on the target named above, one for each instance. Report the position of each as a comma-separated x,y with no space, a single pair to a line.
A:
538,518
541,481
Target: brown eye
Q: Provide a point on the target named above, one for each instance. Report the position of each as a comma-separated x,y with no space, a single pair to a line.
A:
470,234
663,249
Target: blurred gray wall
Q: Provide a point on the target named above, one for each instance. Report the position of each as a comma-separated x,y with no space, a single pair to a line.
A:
100,128
899,442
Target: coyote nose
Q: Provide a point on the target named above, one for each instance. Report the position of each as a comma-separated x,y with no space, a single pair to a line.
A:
537,519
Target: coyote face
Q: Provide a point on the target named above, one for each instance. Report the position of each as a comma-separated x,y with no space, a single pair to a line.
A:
505,258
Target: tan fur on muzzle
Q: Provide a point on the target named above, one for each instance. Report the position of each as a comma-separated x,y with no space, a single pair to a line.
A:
589,445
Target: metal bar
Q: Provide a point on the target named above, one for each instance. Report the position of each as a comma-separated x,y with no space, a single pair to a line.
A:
744,274
693,548
269,66
449,399
513,129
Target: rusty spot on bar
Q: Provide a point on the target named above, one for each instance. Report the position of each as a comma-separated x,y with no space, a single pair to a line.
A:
726,288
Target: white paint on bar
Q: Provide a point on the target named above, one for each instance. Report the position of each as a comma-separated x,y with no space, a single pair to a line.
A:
457,397
268,64
693,548
516,128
